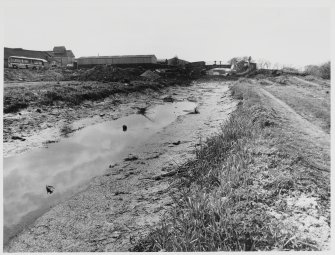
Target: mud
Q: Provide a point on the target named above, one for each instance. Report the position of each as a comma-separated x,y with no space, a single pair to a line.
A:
115,208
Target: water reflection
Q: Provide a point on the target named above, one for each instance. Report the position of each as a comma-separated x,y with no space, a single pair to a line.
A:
73,161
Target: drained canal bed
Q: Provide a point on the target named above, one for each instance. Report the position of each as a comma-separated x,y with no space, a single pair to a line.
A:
70,163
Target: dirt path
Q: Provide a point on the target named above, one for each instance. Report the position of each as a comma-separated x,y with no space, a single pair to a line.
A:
311,83
116,209
315,133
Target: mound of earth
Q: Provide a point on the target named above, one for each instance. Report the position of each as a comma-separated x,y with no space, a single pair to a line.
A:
110,74
34,75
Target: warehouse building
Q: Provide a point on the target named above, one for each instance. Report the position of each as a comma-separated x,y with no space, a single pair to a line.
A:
117,60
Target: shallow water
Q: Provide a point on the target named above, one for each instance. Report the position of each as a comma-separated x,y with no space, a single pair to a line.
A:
73,161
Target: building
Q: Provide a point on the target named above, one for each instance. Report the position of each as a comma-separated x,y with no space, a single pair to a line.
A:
25,53
177,62
117,60
62,56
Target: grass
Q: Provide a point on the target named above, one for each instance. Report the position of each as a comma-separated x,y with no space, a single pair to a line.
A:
312,102
224,197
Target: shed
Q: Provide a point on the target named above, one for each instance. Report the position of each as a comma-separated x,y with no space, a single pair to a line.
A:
117,60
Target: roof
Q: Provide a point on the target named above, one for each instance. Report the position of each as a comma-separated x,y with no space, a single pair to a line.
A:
26,53
59,49
67,53
124,56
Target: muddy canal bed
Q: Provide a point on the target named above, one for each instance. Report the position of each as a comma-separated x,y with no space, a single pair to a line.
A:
103,175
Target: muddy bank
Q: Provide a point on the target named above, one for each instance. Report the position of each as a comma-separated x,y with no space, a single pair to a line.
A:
113,210
51,112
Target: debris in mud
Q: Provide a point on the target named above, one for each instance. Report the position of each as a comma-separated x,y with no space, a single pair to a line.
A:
65,130
195,111
18,138
49,141
124,128
141,110
176,143
120,193
192,99
131,158
50,189
168,99
39,110
102,114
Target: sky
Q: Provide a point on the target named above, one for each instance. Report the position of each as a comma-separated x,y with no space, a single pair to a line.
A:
295,34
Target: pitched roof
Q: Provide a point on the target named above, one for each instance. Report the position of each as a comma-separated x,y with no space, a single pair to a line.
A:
59,49
26,53
67,53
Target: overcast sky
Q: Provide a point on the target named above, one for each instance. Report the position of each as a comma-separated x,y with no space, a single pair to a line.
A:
194,30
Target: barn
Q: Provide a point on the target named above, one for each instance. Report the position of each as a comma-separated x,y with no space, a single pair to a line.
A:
116,60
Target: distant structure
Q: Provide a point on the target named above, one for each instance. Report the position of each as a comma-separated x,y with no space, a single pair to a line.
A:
62,56
25,53
59,56
126,60
177,62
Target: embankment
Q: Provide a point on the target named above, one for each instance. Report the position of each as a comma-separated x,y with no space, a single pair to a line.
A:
262,183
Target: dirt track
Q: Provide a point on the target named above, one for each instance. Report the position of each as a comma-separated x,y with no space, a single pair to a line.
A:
314,133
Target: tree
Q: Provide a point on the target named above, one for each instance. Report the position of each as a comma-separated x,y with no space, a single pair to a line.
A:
237,59
322,71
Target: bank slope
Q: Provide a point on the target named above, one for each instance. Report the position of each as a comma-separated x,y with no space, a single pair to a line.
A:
262,183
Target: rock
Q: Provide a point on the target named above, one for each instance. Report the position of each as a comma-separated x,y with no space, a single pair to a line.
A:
39,110
124,128
102,114
176,143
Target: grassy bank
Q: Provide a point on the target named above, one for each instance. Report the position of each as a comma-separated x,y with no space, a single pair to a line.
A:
243,191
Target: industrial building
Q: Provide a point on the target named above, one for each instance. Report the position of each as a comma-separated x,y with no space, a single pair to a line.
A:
116,60
62,56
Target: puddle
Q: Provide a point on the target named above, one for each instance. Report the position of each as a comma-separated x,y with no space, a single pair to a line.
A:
73,161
